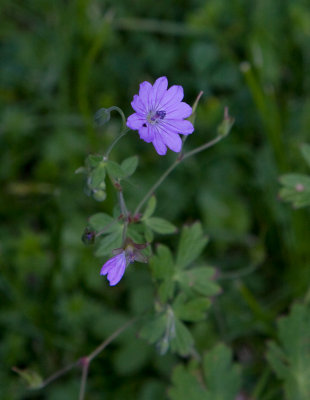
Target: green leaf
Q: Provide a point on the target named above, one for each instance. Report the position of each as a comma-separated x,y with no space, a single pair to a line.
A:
115,171
305,151
185,386
93,160
191,245
154,329
161,263
97,177
192,310
160,225
102,221
296,189
199,280
162,267
150,208
222,377
291,358
33,379
183,341
129,165
109,243
148,233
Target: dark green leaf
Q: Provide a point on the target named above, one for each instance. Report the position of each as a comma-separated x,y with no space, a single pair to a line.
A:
192,310
183,341
199,280
222,377
185,386
97,177
102,221
109,243
191,245
291,359
154,329
161,263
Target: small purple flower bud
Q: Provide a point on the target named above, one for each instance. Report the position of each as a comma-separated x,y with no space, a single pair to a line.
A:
88,236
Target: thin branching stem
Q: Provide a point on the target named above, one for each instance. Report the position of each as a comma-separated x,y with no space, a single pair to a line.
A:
173,166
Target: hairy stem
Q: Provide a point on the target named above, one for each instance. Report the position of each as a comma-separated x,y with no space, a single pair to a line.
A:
122,134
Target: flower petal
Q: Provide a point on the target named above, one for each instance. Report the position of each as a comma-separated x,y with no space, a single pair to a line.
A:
147,133
182,126
135,121
172,96
171,139
158,91
114,268
145,88
116,275
139,105
159,144
178,111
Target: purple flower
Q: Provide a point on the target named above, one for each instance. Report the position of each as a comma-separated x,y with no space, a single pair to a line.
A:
115,268
160,114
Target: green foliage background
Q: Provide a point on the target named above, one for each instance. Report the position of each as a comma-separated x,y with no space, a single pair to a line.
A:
62,61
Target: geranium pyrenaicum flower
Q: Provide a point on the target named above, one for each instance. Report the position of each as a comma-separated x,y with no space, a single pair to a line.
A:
160,115
115,268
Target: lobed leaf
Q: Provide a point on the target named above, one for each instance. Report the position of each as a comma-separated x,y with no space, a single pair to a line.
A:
191,245
291,358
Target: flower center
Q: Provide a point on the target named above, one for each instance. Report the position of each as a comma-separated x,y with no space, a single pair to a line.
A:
154,117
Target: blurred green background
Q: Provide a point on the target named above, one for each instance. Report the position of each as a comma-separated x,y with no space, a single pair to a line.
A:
63,60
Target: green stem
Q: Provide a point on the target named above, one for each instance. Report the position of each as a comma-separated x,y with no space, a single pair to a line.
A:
173,166
115,108
122,134
87,360
114,335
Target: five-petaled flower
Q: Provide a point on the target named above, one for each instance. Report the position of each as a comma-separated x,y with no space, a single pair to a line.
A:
160,115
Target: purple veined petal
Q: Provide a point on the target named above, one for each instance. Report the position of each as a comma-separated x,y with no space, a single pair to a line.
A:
139,105
135,121
173,95
171,139
178,111
158,91
159,144
147,133
108,265
145,88
115,275
114,268
182,126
